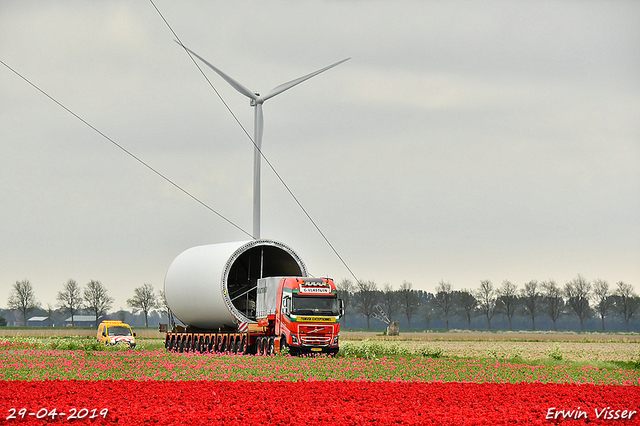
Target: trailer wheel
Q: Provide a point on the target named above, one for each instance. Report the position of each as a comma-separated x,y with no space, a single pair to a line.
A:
259,346
235,346
221,344
180,343
271,346
200,344
172,343
244,347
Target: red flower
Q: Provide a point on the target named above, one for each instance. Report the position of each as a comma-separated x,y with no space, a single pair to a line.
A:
302,403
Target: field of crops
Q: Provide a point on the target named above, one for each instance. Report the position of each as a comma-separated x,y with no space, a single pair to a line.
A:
373,380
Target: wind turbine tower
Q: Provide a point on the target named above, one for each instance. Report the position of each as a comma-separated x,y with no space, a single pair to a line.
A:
256,101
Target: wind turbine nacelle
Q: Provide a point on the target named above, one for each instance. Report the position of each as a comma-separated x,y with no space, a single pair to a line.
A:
214,285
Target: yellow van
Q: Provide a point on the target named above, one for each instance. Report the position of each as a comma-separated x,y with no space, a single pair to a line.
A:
115,332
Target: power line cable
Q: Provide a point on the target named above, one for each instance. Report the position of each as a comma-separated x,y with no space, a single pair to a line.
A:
135,157
256,146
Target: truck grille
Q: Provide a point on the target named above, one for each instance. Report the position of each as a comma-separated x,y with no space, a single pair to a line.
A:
315,340
315,335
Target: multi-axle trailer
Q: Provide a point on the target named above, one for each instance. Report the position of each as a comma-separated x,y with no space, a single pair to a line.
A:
250,297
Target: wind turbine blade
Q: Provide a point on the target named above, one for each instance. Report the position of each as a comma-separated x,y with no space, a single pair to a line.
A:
239,87
289,85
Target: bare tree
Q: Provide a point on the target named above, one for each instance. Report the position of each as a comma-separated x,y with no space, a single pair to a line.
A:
96,299
602,299
626,301
486,300
23,299
409,300
466,301
366,299
530,300
428,308
346,290
507,300
552,301
164,307
444,299
50,312
389,300
578,292
70,299
144,299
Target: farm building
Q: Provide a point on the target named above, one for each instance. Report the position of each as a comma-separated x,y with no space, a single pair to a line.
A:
82,321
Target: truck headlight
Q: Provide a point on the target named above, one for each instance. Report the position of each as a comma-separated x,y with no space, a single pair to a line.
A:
294,339
335,340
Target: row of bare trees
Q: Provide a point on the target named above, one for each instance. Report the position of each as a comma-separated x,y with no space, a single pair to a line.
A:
73,299
578,297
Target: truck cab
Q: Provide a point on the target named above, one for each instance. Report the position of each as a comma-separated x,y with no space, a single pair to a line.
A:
304,313
111,332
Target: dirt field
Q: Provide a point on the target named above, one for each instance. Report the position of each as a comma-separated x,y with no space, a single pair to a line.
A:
498,336
528,345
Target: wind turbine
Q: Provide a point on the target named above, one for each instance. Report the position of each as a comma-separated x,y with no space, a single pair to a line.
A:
256,101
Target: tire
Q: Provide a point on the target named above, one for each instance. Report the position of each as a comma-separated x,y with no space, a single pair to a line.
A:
244,347
181,341
271,346
283,344
260,344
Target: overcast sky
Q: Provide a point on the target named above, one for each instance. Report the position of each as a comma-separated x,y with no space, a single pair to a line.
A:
463,140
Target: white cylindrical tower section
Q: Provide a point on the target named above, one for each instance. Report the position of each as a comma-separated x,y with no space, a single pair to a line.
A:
214,285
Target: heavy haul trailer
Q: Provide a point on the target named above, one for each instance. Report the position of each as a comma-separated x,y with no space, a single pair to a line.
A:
250,297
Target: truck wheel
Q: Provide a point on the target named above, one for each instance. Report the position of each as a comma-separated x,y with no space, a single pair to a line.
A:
261,345
271,346
283,345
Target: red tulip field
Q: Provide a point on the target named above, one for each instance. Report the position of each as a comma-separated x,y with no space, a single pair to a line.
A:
149,386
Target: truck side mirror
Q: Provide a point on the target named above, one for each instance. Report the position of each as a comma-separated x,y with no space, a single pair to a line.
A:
341,303
285,305
104,334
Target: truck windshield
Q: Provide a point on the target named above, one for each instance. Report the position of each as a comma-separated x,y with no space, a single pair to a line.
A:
314,305
119,331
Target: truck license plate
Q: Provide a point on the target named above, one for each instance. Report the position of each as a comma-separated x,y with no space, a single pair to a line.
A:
316,349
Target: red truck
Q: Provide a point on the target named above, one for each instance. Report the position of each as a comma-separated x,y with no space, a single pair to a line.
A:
250,315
